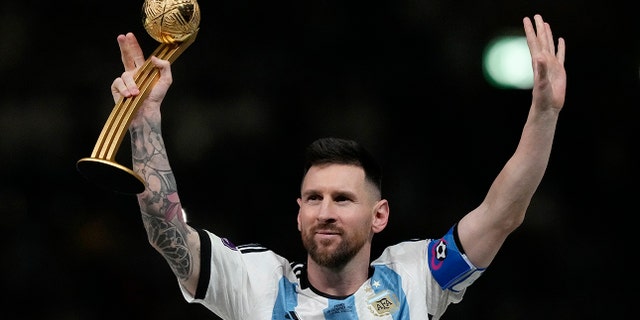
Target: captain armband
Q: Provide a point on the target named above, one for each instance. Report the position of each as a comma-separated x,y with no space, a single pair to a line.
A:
449,265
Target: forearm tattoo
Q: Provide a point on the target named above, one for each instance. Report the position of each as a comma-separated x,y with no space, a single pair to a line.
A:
159,203
170,243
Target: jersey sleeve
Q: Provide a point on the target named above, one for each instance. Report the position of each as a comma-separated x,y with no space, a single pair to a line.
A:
233,277
449,264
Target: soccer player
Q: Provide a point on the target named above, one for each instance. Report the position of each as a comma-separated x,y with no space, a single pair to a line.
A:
340,211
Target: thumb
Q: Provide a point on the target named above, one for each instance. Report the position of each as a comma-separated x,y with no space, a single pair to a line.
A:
164,68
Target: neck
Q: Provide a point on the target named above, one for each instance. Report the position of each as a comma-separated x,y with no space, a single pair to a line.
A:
342,281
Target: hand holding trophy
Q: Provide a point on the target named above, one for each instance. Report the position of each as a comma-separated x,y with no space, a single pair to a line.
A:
175,24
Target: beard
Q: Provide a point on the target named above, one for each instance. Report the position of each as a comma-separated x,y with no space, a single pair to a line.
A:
323,253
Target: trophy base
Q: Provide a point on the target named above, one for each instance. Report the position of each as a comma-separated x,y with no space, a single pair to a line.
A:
110,175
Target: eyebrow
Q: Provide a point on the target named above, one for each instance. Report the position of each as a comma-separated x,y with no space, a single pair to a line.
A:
333,194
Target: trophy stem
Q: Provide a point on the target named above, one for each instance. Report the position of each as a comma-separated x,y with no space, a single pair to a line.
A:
101,167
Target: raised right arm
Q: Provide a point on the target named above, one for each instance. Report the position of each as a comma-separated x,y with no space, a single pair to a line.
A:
162,214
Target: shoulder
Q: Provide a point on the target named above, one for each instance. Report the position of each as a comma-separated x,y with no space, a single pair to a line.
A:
407,253
223,253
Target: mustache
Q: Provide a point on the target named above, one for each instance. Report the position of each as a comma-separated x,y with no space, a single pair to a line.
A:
326,227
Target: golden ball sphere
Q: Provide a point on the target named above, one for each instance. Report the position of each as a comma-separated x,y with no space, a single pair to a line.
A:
169,21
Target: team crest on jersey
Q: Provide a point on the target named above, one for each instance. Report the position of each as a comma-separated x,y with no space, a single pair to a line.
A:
383,303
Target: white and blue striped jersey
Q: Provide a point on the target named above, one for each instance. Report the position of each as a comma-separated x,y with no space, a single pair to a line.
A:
414,279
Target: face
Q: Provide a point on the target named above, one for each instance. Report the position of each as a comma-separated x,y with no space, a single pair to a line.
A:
339,214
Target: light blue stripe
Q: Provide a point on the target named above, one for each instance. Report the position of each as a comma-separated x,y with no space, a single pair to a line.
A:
286,301
390,281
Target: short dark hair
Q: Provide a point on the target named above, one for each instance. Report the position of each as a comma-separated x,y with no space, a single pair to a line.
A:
343,151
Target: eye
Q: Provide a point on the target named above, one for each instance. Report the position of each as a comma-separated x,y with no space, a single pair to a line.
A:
341,198
313,198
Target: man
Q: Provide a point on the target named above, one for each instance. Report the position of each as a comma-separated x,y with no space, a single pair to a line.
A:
340,210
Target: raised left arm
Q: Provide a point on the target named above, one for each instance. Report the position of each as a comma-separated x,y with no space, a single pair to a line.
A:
483,230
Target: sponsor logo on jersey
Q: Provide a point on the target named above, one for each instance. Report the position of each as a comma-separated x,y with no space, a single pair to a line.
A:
338,308
228,244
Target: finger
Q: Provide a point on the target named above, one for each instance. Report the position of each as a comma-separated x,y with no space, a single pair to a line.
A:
131,53
561,50
130,83
125,85
163,68
119,90
549,39
541,32
531,35
126,62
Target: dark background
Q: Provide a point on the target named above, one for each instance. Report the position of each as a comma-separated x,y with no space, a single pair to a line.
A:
262,80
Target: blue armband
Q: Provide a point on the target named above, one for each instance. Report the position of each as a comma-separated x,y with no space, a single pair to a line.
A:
449,265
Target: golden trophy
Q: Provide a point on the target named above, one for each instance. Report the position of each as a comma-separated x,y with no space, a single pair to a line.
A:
175,24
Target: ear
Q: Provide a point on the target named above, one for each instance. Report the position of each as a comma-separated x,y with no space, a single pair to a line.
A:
298,218
381,216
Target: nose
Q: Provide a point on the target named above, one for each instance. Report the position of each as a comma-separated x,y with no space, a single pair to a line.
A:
327,212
